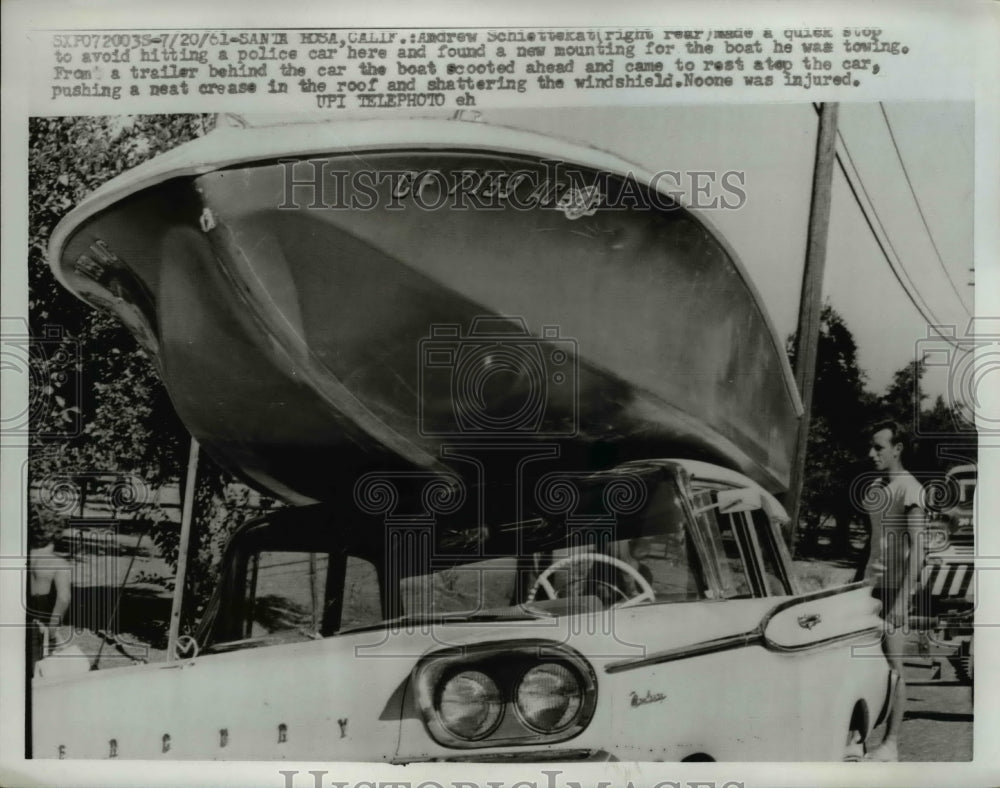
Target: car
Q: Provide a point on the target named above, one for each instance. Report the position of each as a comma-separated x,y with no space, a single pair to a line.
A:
646,612
960,516
946,596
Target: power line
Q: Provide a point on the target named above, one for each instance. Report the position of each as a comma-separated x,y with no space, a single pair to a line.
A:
920,210
910,290
898,269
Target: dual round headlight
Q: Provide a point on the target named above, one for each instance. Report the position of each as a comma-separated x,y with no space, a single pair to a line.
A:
470,706
547,698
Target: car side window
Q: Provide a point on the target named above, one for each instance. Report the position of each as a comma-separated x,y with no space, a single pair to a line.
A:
720,540
736,550
469,587
775,580
362,600
286,592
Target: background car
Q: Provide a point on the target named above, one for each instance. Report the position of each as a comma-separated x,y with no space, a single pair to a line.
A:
946,599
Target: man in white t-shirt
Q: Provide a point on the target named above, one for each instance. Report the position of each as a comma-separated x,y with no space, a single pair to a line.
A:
895,505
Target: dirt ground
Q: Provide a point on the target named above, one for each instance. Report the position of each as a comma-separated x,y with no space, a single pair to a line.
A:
122,594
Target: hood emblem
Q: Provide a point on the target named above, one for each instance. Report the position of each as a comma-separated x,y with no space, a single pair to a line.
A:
576,203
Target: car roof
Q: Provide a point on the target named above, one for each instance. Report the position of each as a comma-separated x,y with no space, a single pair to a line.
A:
963,470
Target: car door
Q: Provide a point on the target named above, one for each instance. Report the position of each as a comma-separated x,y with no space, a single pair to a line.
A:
815,655
827,642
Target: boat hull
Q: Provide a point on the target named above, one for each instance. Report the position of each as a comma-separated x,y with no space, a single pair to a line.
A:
317,317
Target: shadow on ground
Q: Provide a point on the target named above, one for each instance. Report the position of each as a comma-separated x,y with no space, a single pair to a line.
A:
139,612
939,716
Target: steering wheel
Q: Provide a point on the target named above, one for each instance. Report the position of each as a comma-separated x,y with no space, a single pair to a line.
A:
647,594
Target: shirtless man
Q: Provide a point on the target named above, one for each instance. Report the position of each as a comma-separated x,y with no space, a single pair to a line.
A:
895,507
49,585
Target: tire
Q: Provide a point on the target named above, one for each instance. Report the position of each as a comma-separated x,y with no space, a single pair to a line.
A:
854,747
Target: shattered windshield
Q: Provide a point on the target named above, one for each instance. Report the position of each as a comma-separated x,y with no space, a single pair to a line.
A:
534,568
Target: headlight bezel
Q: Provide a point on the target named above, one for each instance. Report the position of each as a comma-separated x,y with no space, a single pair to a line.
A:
506,663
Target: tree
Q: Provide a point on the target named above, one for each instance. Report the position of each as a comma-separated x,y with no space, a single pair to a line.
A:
904,397
112,391
935,445
835,453
98,405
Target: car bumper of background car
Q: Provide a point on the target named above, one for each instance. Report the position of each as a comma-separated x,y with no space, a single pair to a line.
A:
576,754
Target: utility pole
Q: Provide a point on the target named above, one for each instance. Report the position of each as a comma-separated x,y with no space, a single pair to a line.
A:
811,299
187,514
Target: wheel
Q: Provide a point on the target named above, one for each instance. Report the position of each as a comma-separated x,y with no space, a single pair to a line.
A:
854,747
646,590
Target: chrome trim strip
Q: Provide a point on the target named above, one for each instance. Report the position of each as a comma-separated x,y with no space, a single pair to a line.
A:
520,756
725,643
823,594
772,646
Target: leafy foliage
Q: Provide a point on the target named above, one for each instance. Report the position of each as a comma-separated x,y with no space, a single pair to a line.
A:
113,388
97,404
841,409
934,446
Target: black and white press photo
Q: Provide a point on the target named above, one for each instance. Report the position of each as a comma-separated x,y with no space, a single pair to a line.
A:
541,396
504,426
